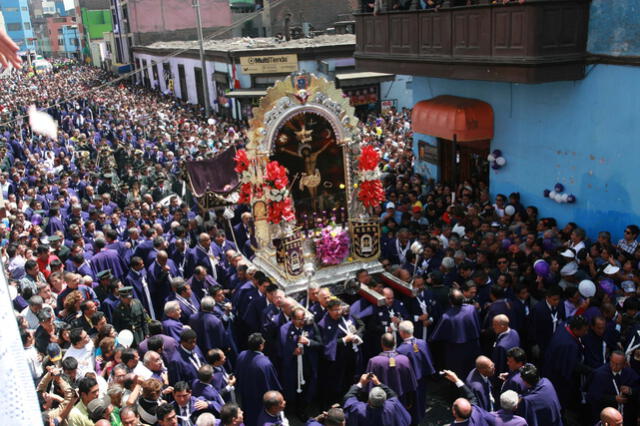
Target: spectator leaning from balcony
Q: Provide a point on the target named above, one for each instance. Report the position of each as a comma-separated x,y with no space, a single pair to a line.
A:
429,4
368,6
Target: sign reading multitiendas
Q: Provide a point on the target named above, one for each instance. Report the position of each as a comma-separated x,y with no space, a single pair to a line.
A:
269,64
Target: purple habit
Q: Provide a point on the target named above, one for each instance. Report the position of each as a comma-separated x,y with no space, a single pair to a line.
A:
395,371
601,390
563,355
459,328
506,418
418,353
540,406
256,375
505,341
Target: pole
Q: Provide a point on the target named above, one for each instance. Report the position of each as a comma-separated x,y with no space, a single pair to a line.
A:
205,81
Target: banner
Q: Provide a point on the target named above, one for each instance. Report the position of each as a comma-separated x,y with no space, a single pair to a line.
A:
269,64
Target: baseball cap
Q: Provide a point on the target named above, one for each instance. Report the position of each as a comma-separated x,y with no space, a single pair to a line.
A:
54,352
628,286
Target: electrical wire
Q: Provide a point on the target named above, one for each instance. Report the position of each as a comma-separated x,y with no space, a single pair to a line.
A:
162,60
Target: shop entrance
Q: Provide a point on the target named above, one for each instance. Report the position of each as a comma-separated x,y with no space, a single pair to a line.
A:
463,161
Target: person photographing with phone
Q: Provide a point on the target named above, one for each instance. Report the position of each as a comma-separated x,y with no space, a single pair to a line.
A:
383,408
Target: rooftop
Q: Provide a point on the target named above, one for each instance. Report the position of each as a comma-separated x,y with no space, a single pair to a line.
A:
247,44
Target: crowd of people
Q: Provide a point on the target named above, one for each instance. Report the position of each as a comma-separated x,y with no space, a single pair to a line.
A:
137,307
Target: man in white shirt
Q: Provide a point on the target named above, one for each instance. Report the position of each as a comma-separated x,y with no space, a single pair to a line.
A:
30,313
82,350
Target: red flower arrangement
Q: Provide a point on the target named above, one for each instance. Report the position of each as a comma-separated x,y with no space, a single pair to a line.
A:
279,211
242,161
369,158
245,193
274,186
277,175
371,193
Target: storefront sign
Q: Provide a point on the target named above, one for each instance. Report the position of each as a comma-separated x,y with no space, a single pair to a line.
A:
362,95
427,152
387,104
269,64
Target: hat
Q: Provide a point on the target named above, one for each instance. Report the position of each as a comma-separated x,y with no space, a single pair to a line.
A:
390,205
97,407
377,397
54,238
107,176
569,269
570,253
416,209
628,286
126,292
104,274
611,269
54,352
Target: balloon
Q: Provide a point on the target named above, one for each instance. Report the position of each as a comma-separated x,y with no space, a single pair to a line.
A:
565,198
552,195
495,166
558,197
546,193
607,286
36,219
497,153
125,338
587,288
559,187
510,210
541,267
500,161
571,199
491,158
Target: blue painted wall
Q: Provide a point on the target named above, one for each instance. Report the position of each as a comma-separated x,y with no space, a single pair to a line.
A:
614,27
69,34
585,134
17,12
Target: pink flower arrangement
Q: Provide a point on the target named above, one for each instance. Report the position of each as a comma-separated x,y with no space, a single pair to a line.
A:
332,248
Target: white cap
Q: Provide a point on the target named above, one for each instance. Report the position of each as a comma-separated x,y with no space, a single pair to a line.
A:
627,286
611,269
390,205
568,253
569,269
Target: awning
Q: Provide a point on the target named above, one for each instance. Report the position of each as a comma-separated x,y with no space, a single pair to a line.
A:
362,78
250,93
452,117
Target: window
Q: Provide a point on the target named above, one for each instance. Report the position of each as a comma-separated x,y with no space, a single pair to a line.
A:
24,9
10,9
60,42
14,27
27,26
74,41
60,30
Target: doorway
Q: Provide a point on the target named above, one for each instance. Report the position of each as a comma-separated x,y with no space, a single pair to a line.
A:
460,161
183,83
199,87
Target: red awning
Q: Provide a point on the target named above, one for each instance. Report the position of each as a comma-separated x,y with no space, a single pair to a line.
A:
451,117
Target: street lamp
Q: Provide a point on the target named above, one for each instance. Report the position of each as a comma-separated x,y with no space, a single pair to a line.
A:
205,81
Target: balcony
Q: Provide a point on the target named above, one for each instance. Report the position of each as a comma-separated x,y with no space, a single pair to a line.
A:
535,42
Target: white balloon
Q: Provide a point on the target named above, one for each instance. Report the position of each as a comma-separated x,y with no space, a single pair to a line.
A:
587,288
510,210
500,161
552,195
565,198
558,197
491,158
125,338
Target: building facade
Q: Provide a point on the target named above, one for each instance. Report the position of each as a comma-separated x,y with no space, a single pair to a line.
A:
96,24
235,87
18,23
552,85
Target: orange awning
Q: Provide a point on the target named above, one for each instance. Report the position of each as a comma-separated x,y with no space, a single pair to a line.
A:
451,117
